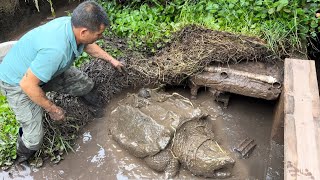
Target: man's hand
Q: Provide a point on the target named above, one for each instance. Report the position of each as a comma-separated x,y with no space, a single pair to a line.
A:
56,113
30,85
117,64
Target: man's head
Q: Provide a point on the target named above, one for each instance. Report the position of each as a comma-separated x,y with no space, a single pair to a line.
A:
318,14
89,20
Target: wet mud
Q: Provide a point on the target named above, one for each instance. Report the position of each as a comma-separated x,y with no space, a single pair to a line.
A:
97,156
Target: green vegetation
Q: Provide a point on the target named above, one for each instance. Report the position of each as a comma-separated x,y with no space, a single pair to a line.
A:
8,132
148,25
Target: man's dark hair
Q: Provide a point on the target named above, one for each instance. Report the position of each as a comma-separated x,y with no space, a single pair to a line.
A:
89,14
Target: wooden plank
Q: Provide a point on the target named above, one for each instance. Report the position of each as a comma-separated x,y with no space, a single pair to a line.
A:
301,121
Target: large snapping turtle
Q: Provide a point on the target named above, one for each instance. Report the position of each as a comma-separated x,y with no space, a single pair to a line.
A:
166,131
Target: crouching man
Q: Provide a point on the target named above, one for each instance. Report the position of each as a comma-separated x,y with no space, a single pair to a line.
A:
41,61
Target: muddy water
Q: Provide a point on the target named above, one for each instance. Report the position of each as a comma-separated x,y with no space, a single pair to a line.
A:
99,157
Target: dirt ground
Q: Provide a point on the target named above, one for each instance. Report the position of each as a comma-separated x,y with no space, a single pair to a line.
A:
97,156
31,19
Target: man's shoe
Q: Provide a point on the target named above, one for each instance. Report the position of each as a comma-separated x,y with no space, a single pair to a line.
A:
23,152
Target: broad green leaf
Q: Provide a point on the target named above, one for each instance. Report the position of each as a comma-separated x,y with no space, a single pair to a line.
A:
271,10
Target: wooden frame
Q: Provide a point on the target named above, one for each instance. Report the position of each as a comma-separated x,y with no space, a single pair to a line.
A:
301,120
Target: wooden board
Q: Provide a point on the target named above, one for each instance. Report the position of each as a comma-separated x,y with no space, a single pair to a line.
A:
301,121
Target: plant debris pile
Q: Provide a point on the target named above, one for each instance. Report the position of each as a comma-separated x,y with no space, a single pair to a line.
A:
108,81
190,51
193,48
59,136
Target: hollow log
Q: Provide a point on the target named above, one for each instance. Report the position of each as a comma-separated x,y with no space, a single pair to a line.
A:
239,81
224,72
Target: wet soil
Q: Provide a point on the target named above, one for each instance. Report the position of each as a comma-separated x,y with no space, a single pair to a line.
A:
97,156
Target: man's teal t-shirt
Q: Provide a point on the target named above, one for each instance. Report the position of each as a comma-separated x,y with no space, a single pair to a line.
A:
47,50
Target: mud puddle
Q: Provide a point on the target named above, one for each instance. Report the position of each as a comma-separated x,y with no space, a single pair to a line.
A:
97,156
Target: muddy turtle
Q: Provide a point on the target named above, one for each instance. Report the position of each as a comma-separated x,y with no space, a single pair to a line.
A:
166,131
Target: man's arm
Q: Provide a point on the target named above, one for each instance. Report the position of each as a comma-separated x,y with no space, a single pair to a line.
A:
30,85
95,51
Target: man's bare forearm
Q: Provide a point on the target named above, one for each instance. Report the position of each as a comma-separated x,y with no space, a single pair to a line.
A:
96,51
37,95
29,85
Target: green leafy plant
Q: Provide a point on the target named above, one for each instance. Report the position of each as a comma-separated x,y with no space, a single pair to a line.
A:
81,59
282,23
8,133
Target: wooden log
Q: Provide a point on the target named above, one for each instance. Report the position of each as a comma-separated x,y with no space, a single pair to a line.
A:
302,121
225,71
248,79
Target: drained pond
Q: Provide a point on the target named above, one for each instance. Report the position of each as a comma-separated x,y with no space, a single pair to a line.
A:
98,155
165,131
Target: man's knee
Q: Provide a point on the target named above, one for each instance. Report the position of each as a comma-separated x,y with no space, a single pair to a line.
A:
74,82
82,87
33,133
32,140
87,86
30,119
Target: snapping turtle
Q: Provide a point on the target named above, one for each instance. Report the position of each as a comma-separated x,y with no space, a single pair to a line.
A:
166,131
196,149
141,136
